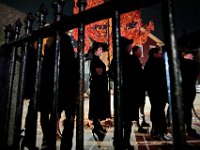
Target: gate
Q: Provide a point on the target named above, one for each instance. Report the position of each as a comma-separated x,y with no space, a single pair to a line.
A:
12,101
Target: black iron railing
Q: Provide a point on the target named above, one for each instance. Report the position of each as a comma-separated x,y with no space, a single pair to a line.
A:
110,9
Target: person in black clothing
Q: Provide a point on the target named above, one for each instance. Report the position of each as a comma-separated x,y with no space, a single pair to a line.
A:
156,86
190,73
30,70
99,101
131,88
141,86
68,90
138,86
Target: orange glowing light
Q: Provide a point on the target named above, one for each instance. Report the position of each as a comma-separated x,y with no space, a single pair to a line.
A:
101,31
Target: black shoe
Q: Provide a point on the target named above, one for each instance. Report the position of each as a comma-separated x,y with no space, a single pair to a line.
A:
97,125
44,145
145,124
168,136
163,138
28,145
155,137
44,148
65,147
99,133
141,130
128,147
191,131
49,148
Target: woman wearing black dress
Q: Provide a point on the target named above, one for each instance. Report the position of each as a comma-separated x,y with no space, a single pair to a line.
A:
99,104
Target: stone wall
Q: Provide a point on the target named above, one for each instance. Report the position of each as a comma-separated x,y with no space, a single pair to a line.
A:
9,15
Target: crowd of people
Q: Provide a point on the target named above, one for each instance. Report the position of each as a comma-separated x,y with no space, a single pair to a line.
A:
68,81
138,79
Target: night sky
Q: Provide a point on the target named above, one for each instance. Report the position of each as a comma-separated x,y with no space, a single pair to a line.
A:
186,13
33,5
186,17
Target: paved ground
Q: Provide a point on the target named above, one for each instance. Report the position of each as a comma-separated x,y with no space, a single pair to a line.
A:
141,141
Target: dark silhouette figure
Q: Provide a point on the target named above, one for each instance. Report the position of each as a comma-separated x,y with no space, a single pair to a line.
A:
156,86
99,101
30,70
140,95
68,88
130,98
190,73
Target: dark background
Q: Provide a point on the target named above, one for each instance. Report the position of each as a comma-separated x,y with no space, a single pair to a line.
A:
186,17
186,13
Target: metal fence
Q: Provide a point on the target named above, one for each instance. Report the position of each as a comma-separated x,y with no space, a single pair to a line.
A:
12,103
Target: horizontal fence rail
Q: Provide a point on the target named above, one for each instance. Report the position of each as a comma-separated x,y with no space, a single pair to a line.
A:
110,9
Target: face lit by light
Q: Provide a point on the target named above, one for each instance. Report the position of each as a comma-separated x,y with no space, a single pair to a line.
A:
99,51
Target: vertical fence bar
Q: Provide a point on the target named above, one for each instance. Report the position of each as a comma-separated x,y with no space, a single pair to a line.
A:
5,54
58,6
41,14
8,121
80,114
118,132
8,33
19,107
175,76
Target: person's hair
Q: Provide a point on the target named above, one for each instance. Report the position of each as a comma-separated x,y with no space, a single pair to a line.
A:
124,42
135,48
153,51
96,45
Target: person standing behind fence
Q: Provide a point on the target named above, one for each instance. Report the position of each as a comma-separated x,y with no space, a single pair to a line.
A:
130,100
190,72
99,101
156,86
139,85
68,90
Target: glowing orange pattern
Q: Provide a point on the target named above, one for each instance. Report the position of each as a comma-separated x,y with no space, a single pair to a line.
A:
130,25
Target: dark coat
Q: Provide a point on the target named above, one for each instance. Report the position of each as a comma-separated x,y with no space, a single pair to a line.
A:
156,86
99,104
190,72
68,76
30,72
133,89
155,79
133,86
